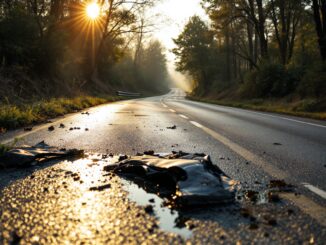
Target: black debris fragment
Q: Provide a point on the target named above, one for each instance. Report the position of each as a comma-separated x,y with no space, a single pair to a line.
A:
150,153
28,129
276,143
280,185
100,188
178,177
51,128
122,157
31,155
172,127
149,209
62,125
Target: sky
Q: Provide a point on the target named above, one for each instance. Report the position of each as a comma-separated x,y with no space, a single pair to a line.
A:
172,17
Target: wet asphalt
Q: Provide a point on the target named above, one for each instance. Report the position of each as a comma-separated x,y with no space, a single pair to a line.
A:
53,203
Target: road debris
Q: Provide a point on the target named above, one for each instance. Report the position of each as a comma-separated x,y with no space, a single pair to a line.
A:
31,155
276,143
172,127
62,125
51,128
28,129
185,179
100,188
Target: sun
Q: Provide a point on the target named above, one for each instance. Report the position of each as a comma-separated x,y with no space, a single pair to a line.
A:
93,10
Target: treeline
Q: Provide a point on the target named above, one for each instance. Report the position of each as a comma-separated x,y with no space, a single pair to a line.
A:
256,48
53,48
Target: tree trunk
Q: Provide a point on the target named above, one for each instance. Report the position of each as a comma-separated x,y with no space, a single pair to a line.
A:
320,22
250,44
228,54
261,30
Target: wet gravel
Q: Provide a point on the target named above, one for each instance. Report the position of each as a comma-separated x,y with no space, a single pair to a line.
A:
76,202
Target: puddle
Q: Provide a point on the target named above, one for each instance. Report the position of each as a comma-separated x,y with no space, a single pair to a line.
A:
167,218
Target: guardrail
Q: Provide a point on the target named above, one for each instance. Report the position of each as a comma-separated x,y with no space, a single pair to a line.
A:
128,94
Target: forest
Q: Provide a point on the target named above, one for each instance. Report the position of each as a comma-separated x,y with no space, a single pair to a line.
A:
257,50
52,48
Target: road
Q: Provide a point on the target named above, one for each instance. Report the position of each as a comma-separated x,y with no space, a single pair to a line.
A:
250,147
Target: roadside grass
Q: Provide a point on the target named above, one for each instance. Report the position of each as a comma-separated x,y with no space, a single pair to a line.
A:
299,108
15,116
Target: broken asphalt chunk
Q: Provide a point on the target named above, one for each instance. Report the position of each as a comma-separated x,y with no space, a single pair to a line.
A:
51,128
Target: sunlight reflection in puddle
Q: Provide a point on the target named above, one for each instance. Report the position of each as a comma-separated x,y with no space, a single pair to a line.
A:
166,217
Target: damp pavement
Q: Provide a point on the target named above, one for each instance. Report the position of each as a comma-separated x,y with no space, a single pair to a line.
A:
76,201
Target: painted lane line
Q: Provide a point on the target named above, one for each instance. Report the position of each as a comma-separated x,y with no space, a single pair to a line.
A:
315,190
274,116
289,119
254,112
171,110
183,116
305,204
198,125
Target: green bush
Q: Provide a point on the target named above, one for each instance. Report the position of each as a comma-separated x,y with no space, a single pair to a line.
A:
313,83
271,80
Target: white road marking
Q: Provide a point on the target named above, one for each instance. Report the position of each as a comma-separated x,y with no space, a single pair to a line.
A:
196,124
284,118
171,110
290,119
315,190
307,205
165,106
183,116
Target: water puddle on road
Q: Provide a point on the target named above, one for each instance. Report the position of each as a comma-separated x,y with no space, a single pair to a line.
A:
167,218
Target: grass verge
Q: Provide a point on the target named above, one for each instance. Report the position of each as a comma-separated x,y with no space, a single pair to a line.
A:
299,108
15,116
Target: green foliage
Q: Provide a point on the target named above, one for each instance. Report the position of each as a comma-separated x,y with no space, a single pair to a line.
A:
196,52
12,116
18,32
271,80
50,49
313,83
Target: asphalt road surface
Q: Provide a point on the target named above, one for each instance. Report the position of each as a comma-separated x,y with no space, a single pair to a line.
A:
53,203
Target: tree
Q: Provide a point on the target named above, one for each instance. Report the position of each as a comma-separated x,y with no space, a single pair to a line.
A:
286,16
319,10
195,52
